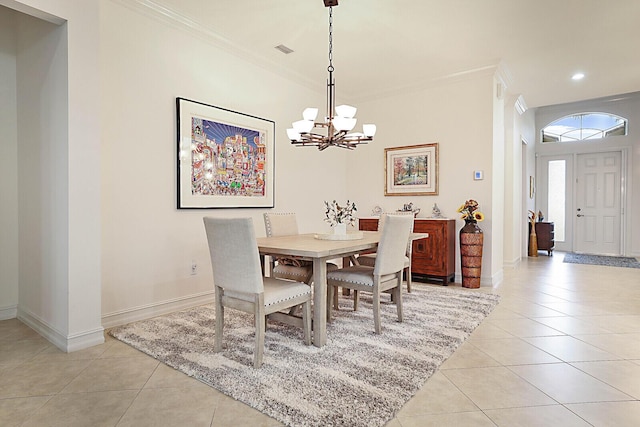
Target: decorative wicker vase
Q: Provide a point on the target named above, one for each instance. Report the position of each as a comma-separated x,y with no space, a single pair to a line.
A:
471,240
533,242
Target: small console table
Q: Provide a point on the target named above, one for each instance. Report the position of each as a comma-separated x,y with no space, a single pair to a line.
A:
545,233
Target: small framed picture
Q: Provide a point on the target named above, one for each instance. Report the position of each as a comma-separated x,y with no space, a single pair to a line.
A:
411,170
532,187
478,175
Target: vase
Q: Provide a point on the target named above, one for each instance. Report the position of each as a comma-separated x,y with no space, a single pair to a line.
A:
340,229
471,240
533,240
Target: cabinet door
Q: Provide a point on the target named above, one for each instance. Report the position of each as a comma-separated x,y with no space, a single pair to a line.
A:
429,254
368,224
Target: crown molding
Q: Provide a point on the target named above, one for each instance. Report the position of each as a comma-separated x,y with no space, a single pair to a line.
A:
452,78
167,16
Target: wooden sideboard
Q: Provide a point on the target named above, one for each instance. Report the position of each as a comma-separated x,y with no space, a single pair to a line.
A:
545,232
434,256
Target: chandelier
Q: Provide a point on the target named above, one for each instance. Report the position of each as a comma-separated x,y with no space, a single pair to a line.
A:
337,126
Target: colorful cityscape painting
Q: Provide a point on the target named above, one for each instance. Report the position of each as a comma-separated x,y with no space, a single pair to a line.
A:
226,160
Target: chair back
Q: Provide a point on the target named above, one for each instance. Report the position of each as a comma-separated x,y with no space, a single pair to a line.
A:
280,224
384,216
234,254
393,244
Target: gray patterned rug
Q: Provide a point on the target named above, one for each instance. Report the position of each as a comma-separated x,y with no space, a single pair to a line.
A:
611,261
357,379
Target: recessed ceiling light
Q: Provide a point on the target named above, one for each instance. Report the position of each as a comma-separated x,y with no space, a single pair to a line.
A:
577,76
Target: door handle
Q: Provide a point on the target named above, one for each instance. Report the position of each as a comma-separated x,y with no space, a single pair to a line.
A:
579,215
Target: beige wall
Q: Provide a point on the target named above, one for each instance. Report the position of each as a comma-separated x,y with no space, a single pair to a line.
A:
458,116
8,168
148,245
57,117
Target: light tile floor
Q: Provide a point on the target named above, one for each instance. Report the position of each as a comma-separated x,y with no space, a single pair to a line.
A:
562,348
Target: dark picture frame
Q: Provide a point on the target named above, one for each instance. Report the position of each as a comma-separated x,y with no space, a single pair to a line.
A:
225,158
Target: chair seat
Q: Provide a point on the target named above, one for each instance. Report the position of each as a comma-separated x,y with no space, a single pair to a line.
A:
292,272
370,260
358,274
295,262
300,274
275,291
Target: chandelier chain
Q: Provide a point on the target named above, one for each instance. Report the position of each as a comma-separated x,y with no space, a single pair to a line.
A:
330,67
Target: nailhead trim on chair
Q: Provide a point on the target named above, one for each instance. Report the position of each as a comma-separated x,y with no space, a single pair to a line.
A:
287,299
268,222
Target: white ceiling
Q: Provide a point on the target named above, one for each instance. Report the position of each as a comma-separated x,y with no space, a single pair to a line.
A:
385,46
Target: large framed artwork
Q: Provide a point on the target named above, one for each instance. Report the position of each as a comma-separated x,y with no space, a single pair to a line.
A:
411,170
225,158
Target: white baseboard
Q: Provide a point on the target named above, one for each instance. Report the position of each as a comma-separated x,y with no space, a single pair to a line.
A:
512,264
497,278
65,343
9,312
488,281
134,314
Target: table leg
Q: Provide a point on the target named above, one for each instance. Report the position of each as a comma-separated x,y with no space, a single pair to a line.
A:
319,302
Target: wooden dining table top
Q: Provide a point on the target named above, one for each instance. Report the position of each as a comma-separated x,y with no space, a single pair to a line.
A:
311,246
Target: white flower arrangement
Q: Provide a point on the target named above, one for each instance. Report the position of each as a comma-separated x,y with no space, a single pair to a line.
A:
336,214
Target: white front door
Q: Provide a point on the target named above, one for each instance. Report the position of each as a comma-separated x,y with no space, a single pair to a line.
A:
598,203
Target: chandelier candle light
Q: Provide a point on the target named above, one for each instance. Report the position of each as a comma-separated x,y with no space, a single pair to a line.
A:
339,125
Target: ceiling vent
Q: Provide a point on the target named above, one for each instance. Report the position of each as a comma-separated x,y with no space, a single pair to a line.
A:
282,48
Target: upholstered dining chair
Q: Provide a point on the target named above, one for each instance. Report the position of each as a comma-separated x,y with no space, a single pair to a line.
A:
370,259
385,275
286,224
239,284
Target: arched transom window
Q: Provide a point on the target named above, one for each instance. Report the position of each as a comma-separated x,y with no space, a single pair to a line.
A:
584,126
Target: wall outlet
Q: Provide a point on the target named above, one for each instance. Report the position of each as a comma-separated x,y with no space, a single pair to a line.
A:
194,268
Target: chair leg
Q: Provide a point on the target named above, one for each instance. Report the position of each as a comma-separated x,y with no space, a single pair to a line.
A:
356,299
260,320
330,293
217,339
408,270
398,298
306,322
376,310
334,290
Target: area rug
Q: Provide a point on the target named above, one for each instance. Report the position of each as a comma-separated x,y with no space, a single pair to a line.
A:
611,261
357,379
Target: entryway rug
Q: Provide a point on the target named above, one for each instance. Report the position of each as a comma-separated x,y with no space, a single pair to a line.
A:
611,261
357,379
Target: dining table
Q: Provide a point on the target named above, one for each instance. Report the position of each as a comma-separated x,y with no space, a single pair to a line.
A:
319,249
